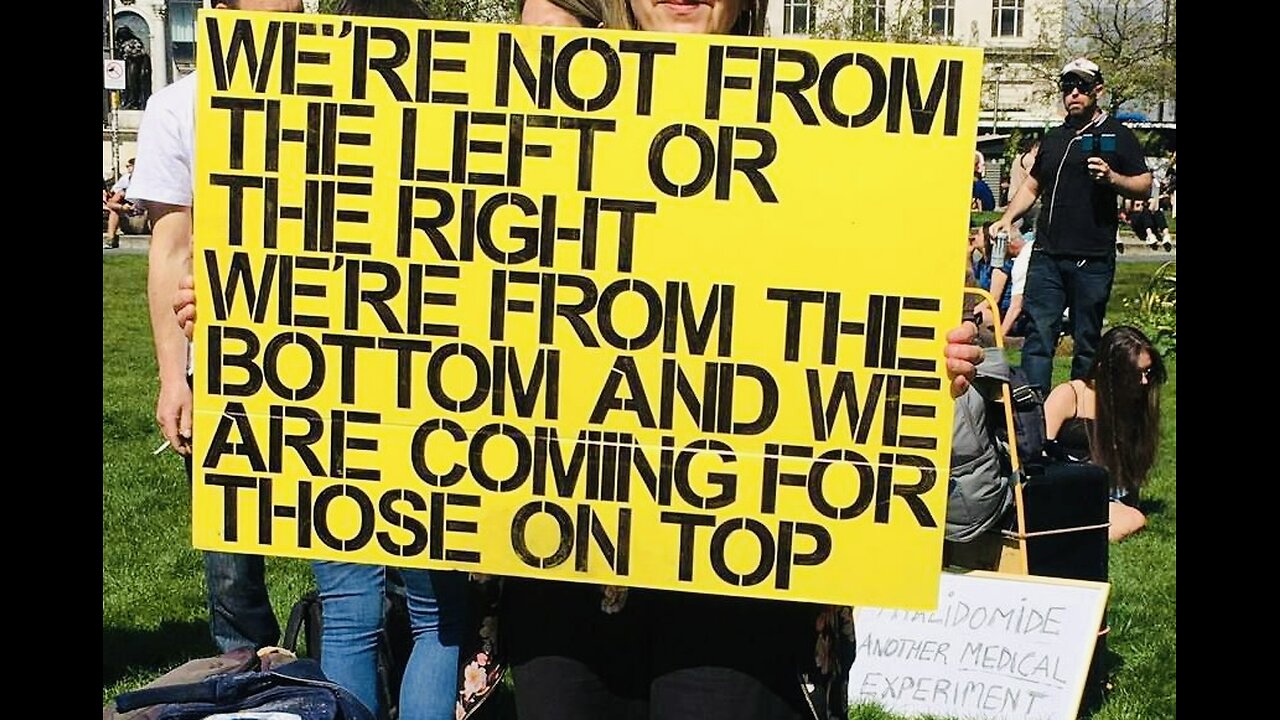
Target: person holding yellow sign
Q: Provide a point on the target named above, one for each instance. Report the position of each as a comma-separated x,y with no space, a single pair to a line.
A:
353,594
585,652
599,650
240,612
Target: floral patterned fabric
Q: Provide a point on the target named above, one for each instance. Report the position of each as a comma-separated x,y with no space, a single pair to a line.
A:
826,682
481,668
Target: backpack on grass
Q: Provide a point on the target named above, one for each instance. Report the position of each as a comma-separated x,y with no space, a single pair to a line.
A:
241,684
980,487
1028,418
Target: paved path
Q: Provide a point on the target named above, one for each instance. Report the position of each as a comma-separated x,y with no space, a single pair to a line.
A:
130,245
1135,251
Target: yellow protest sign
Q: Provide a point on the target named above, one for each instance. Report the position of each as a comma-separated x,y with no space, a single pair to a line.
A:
626,308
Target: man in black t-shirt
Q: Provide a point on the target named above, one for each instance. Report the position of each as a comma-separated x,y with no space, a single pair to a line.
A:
1082,166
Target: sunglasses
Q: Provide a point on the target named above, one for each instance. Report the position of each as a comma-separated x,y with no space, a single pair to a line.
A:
1068,84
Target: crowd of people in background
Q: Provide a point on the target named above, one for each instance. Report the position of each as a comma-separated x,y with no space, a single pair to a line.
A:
1147,218
1083,175
583,651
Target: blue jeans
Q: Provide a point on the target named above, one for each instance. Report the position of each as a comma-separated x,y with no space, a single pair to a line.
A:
240,613
1054,284
352,597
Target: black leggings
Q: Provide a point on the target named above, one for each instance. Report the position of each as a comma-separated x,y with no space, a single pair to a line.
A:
1148,220
666,655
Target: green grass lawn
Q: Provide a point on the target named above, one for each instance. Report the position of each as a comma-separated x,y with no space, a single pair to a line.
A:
153,614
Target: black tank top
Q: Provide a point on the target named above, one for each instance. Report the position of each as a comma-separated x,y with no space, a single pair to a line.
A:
1073,438
1075,433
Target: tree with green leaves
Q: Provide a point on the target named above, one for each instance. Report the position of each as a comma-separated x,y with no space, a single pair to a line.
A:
1133,41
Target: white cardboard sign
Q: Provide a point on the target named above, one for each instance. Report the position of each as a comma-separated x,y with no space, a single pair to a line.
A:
998,646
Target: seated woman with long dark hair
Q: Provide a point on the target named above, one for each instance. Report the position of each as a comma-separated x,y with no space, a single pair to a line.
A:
1111,417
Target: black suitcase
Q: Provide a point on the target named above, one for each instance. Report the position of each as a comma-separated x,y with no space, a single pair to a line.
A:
1065,510
1065,507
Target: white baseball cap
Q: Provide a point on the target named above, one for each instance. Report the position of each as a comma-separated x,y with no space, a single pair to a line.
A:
1084,68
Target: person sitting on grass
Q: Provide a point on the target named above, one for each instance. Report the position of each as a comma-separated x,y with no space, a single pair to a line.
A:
993,271
117,207
1148,223
1015,322
1111,418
